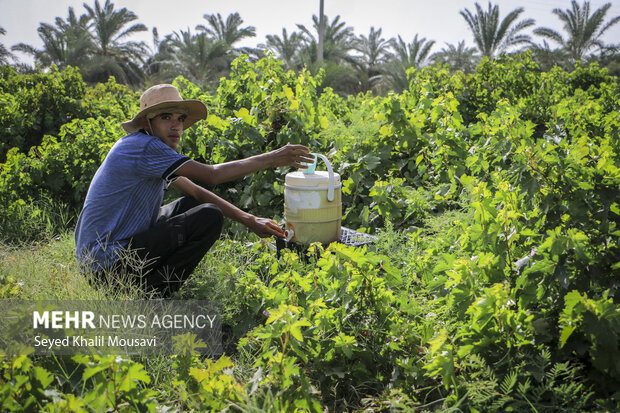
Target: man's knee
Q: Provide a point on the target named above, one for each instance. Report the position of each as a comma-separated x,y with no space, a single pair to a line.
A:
210,217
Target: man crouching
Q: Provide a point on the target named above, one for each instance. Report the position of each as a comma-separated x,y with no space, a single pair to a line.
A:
122,211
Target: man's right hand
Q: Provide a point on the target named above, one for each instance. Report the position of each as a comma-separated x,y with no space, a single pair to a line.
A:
290,155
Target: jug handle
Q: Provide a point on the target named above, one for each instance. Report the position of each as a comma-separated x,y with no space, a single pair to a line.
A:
330,171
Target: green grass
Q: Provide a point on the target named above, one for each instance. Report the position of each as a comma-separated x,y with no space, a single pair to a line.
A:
46,271
49,271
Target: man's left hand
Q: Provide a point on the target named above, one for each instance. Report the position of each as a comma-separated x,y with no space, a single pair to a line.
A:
265,227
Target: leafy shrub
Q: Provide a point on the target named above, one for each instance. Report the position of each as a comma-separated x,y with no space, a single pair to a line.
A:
501,189
37,104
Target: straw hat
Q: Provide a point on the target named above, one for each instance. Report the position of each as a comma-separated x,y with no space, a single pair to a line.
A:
166,99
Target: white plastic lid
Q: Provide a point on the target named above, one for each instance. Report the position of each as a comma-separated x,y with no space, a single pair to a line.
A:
318,178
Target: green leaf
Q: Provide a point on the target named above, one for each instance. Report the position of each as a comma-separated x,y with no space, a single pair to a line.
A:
42,376
91,371
296,333
345,343
370,161
296,329
136,372
323,122
567,330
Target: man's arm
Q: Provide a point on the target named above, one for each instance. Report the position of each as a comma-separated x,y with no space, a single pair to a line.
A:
289,155
260,226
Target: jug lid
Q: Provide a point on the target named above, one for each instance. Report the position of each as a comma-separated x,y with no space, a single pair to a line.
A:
318,178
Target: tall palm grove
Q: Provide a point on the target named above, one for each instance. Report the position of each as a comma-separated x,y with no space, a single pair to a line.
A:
99,41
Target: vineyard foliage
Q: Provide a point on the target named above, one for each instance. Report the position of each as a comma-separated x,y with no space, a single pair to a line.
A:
494,284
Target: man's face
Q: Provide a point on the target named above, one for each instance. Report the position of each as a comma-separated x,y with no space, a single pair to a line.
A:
168,127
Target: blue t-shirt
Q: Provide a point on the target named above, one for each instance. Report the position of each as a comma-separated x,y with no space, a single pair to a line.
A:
124,197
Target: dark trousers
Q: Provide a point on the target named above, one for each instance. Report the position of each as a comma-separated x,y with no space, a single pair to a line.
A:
171,249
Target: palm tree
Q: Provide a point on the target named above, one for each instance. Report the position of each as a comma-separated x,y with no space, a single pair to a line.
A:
199,58
547,58
405,56
337,42
375,51
229,31
5,55
610,60
154,67
584,30
413,54
287,48
321,32
493,36
113,55
459,57
67,43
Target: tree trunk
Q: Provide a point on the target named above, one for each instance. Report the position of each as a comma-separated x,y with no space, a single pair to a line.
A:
319,52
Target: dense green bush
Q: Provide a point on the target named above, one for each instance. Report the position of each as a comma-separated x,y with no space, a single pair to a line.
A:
56,131
35,105
498,289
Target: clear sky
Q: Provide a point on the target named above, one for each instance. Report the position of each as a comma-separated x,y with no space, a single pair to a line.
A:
437,20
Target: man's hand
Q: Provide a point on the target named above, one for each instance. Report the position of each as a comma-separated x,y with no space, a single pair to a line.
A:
265,227
291,155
